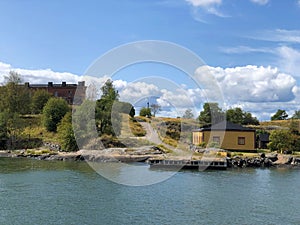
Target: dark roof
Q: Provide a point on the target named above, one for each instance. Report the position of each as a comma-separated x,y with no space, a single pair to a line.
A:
226,125
53,85
263,137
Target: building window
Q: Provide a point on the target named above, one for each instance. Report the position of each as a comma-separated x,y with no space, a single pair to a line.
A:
216,139
241,141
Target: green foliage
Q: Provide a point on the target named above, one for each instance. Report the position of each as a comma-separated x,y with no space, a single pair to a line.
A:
54,110
66,134
3,131
188,114
146,112
213,145
84,123
15,98
107,120
237,115
109,93
296,115
124,107
280,115
280,140
294,126
202,145
13,77
211,114
39,100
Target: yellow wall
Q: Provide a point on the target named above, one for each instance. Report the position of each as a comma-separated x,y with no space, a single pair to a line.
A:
197,138
229,139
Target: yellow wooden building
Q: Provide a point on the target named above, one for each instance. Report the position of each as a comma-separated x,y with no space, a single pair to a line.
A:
228,135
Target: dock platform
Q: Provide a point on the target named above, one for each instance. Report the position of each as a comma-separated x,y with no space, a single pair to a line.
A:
220,164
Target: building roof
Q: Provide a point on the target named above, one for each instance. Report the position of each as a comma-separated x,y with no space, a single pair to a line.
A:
227,126
52,85
263,137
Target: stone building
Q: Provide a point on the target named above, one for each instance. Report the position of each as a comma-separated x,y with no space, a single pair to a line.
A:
63,90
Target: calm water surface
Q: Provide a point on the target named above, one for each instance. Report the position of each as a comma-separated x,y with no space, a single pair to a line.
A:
42,192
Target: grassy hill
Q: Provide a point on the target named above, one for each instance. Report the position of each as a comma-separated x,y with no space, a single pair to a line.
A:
175,131
30,133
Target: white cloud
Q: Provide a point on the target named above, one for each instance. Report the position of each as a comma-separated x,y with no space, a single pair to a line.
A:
278,35
254,84
259,90
133,92
202,7
260,2
204,3
178,98
38,76
289,60
120,84
245,49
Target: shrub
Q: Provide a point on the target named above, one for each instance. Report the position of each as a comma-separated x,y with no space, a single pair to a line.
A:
53,112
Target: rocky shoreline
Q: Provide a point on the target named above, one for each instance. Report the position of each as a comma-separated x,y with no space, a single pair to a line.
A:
106,155
142,154
264,160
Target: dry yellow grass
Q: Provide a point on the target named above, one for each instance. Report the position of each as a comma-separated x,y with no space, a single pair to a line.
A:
130,127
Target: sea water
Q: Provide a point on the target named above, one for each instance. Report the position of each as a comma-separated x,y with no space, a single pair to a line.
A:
57,192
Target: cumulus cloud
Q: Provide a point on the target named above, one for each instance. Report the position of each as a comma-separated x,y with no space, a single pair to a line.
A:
135,91
259,90
254,84
260,2
41,76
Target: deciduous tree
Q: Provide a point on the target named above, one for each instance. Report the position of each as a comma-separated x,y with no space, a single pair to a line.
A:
145,112
280,115
66,133
108,120
15,97
54,110
39,100
280,140
155,108
237,115
211,113
296,114
188,114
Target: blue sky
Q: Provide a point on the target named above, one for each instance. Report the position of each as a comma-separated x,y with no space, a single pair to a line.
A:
252,47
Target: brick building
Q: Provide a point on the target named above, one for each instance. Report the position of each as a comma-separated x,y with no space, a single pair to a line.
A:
63,90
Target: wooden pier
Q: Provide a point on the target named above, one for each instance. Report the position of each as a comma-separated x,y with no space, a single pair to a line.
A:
220,164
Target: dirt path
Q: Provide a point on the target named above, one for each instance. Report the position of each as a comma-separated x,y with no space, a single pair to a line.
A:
151,134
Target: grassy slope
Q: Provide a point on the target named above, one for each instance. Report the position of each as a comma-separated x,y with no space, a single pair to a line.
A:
33,128
175,131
